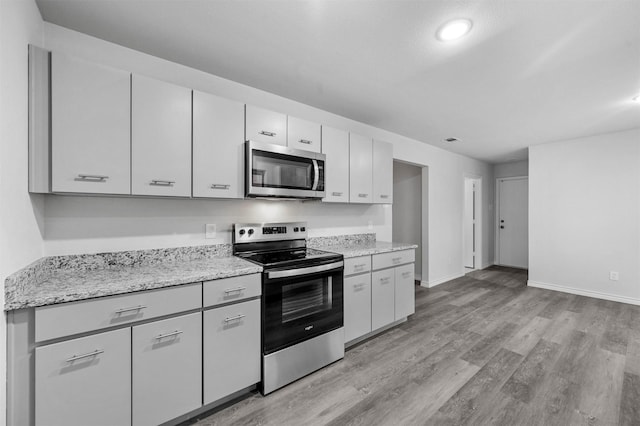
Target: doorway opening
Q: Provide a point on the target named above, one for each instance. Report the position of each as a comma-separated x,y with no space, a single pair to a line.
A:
409,214
472,224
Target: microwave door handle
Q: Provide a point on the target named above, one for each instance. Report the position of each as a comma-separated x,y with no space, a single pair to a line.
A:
316,175
304,271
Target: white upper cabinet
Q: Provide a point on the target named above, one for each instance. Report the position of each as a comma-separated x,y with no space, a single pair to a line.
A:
335,145
383,172
360,169
160,138
303,134
218,147
90,112
267,126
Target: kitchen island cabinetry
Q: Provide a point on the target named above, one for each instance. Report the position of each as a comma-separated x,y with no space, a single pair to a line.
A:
90,125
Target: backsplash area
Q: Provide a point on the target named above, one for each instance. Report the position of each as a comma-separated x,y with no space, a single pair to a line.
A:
79,225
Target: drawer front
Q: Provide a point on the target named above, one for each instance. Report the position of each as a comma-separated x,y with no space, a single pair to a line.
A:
357,265
357,306
395,258
382,298
167,369
231,348
78,317
217,292
85,381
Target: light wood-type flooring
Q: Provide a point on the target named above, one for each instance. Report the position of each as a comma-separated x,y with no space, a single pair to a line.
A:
483,349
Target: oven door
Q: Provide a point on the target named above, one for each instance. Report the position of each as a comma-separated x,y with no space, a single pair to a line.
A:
278,171
299,304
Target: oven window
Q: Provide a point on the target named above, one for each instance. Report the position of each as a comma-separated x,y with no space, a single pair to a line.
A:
272,170
306,298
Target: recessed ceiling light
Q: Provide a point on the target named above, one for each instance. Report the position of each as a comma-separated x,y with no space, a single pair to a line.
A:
454,29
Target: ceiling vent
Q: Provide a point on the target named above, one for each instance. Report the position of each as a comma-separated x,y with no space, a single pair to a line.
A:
451,140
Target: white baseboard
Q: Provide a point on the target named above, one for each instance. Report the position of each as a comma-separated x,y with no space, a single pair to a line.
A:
588,293
434,283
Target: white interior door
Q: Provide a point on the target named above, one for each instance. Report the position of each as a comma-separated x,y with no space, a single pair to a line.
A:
513,220
469,223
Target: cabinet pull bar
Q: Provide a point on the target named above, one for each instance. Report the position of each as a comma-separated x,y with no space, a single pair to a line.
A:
265,133
88,355
384,196
92,178
363,195
406,275
236,318
305,141
234,290
173,333
157,182
336,194
362,265
396,259
220,186
384,280
134,308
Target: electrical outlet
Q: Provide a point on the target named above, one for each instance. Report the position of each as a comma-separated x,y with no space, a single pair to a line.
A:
210,230
614,276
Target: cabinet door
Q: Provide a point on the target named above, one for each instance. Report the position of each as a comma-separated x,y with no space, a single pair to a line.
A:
85,381
231,349
218,147
167,369
90,113
382,298
303,134
160,138
267,126
405,291
335,145
383,174
360,169
357,306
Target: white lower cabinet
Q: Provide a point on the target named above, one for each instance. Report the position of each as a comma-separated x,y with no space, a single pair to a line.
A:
405,296
167,369
231,349
357,306
84,381
382,298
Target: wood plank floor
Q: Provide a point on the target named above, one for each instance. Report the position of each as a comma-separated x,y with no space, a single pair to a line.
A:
483,349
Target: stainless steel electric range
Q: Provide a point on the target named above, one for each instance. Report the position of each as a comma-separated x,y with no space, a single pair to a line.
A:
302,300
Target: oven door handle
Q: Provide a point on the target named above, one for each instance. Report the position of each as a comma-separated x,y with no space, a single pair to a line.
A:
316,175
304,271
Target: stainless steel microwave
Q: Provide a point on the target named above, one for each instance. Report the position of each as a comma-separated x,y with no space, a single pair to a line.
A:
279,171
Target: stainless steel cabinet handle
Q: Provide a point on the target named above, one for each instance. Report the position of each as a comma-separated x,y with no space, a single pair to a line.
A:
363,195
134,308
157,182
406,274
173,333
305,141
92,178
265,133
220,186
236,318
336,194
90,354
385,280
234,290
384,196
358,286
396,259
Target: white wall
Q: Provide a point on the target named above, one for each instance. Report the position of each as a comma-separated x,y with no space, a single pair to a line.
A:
584,215
512,169
21,215
407,208
76,224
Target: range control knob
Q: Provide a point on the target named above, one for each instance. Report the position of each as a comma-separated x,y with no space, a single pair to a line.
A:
241,232
250,231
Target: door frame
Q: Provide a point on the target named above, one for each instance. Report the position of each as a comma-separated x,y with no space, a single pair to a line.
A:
478,228
496,253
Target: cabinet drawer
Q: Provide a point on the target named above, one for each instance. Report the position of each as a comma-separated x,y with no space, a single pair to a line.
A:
217,292
167,369
387,260
85,381
231,348
357,265
79,317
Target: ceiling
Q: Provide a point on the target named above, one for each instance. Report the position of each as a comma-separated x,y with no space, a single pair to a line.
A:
529,72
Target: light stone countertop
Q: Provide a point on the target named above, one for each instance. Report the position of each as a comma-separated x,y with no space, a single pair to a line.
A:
366,248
